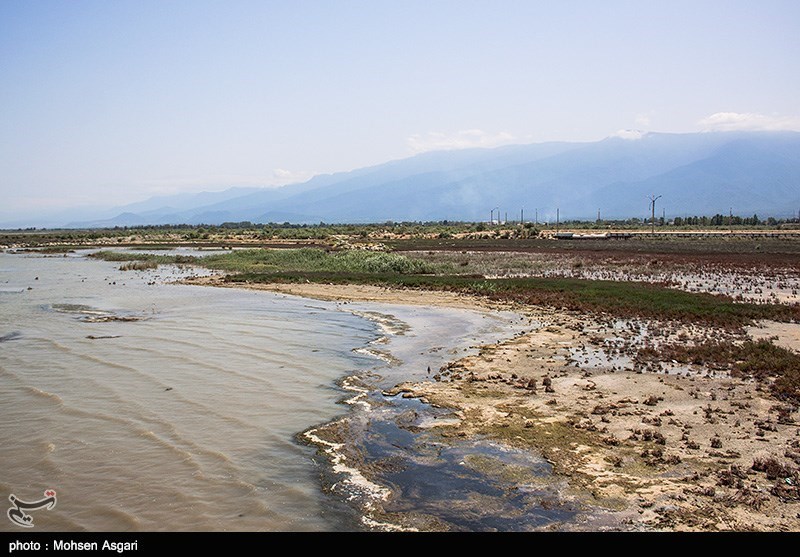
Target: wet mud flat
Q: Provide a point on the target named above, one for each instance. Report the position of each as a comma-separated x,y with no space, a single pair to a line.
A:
400,461
403,475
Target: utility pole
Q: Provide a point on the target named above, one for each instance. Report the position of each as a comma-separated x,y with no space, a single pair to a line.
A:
491,217
653,200
730,220
536,217
557,219
505,219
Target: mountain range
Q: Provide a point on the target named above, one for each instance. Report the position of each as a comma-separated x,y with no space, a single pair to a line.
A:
694,174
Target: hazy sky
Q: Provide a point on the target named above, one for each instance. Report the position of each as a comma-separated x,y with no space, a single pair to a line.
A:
113,101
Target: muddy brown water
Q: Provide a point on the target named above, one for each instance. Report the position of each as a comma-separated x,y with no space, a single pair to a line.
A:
156,406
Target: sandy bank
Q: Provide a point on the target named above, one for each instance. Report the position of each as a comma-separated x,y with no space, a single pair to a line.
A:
360,293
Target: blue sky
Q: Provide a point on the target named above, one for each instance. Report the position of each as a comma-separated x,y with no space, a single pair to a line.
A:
110,102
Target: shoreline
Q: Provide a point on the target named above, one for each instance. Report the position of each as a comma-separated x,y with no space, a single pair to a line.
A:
639,449
359,293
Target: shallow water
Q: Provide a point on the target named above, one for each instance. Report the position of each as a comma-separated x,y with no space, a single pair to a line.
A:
464,485
152,406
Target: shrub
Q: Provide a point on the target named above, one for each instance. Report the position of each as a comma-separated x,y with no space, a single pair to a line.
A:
138,265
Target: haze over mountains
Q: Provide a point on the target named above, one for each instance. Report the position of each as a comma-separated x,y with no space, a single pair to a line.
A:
696,174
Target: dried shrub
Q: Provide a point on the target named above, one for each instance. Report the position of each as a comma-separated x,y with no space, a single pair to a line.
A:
732,477
773,468
761,360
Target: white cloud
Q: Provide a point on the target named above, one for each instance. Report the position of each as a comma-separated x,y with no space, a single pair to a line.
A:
281,176
629,134
748,121
642,120
465,139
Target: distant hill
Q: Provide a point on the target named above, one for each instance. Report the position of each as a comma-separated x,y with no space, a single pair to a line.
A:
700,173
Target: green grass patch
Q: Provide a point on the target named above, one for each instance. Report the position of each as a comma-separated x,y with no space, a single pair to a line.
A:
138,265
621,299
317,261
638,299
56,249
121,256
